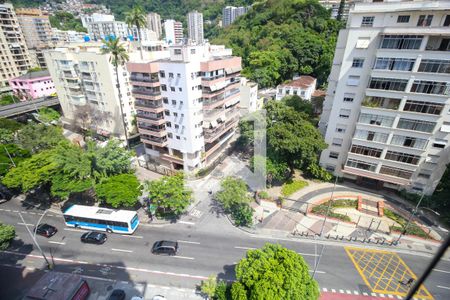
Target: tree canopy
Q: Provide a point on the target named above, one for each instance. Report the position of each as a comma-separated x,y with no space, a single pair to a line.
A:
233,192
64,20
274,272
119,190
7,234
16,153
38,137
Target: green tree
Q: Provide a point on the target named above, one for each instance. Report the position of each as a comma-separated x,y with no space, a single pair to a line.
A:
300,105
8,99
242,214
238,291
48,115
38,137
223,291
7,234
274,170
10,152
112,159
137,17
118,57
208,286
263,68
119,190
233,192
274,272
169,193
66,21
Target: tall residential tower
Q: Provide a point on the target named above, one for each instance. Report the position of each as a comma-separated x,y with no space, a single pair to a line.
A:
195,27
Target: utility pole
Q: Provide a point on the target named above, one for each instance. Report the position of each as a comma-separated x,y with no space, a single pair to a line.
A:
328,208
316,265
410,218
10,158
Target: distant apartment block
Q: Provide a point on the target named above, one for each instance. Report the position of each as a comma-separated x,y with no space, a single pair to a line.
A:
32,85
386,115
249,96
302,86
334,5
195,27
14,56
230,13
154,24
187,105
174,31
85,82
62,37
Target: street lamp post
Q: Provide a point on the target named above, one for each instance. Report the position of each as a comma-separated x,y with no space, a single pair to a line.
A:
328,208
410,218
9,155
33,237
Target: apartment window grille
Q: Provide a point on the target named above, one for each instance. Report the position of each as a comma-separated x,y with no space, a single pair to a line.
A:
341,128
337,142
192,51
162,74
169,135
174,102
403,19
367,151
402,157
391,63
333,155
178,75
344,113
359,164
401,41
424,107
434,66
167,113
378,120
390,84
411,142
175,114
163,87
416,125
425,20
177,126
353,80
165,100
172,89
372,136
430,87
178,137
358,63
170,75
396,172
367,21
177,51
168,124
348,97
180,89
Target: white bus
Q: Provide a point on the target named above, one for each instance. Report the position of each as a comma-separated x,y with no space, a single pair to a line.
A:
98,218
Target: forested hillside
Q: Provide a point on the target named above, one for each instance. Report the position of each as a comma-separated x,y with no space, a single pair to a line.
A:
279,38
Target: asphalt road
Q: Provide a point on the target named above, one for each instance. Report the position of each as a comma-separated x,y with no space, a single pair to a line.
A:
205,249
26,106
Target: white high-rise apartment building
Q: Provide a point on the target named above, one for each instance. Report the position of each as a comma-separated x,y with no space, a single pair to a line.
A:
386,115
154,24
230,13
14,56
187,105
85,81
195,27
174,31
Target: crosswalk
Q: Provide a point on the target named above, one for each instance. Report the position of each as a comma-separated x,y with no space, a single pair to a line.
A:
195,213
358,293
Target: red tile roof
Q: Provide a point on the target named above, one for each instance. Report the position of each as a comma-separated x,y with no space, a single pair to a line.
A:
302,81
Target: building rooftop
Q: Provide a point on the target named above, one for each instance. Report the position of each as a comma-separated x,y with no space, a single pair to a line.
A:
33,75
301,81
319,93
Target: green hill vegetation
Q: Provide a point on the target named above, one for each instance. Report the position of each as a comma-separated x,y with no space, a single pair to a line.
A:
279,38
66,21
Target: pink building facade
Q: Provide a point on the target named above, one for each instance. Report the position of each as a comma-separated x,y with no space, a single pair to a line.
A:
33,85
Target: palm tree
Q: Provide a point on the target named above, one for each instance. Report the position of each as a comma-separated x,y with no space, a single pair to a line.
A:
119,56
136,17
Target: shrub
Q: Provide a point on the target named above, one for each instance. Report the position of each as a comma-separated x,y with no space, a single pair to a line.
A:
413,228
345,203
223,291
292,186
238,291
208,286
263,195
322,210
242,214
7,234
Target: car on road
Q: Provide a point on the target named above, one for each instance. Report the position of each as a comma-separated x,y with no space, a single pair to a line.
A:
117,295
165,247
5,194
46,230
94,237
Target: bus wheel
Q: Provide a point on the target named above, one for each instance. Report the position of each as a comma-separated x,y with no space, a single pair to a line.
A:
77,226
108,230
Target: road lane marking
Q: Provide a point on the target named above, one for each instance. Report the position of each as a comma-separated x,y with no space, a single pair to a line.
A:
318,272
308,254
133,236
244,248
188,242
183,257
26,224
437,270
7,210
186,222
15,211
121,250
76,230
443,287
59,243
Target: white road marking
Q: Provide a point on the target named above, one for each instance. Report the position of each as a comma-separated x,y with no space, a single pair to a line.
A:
318,272
59,243
333,290
348,291
244,248
443,287
15,211
7,210
325,289
341,291
25,224
356,292
74,229
437,270
186,222
308,254
390,296
183,257
133,236
188,242
121,250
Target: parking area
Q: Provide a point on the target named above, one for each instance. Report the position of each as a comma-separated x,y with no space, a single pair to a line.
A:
384,272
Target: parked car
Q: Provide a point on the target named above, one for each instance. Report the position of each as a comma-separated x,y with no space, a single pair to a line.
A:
94,237
117,295
46,230
5,194
165,247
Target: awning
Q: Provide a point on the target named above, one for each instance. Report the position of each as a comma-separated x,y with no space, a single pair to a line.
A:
232,102
232,70
445,128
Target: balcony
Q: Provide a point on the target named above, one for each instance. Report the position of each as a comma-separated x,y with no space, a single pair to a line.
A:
67,74
438,43
377,176
146,79
210,103
149,94
152,140
158,131
381,102
157,119
150,106
211,135
173,158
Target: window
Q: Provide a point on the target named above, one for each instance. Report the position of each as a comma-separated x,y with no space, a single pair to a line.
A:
174,102
359,164
416,125
341,128
424,20
403,19
367,21
378,120
344,113
177,126
180,89
169,135
170,75
192,51
337,142
163,87
439,144
381,102
430,87
168,124
424,107
175,114
424,175
390,84
434,66
372,136
330,168
348,97
396,172
333,155
402,157
178,75
353,80
167,113
368,151
397,64
178,137
165,100
411,142
357,62
401,41
363,43
172,89
177,51
447,21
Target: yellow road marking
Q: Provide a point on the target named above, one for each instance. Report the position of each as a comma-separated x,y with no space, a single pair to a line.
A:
357,267
395,272
384,271
376,266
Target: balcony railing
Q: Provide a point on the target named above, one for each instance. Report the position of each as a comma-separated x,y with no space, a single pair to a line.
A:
146,92
150,117
157,140
210,134
213,77
213,100
144,79
150,104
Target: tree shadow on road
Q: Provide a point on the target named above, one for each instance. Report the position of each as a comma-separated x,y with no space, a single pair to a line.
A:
228,274
216,208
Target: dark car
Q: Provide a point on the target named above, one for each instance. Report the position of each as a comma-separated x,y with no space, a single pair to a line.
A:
117,295
165,247
5,194
94,237
46,230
